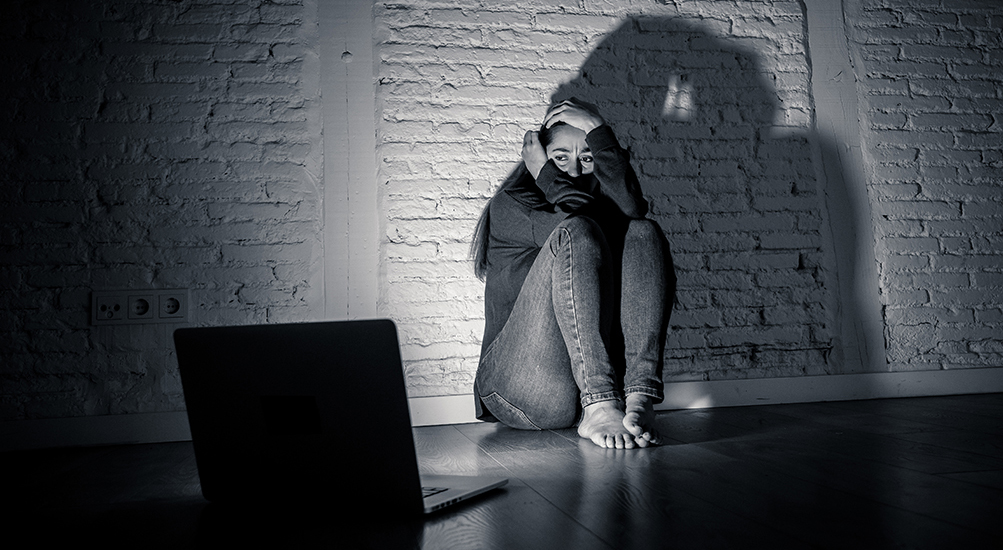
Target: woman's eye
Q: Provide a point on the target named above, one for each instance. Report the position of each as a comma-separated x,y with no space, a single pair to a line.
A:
584,160
560,158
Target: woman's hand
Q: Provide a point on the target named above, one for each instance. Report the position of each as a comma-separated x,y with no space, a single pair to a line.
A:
574,113
533,153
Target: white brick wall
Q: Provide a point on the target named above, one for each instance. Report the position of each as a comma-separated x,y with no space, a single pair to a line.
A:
149,144
730,177
933,75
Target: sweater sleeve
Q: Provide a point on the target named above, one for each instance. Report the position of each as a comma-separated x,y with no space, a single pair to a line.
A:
616,177
559,190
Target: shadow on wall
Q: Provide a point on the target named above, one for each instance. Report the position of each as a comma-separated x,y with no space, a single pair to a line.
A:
736,192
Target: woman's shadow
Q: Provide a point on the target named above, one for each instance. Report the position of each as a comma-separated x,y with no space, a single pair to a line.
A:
735,189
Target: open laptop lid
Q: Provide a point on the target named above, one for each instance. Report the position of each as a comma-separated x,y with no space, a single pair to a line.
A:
307,412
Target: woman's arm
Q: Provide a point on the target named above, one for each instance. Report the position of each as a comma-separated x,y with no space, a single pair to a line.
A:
557,188
617,179
560,191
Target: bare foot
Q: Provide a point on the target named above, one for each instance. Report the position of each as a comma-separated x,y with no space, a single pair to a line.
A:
639,420
604,424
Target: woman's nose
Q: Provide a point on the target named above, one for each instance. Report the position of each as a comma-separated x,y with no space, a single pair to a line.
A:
574,169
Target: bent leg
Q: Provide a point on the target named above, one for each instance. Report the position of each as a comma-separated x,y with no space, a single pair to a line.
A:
524,376
527,377
551,355
647,293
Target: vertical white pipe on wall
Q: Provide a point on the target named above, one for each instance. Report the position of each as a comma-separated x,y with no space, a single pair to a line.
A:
835,93
351,220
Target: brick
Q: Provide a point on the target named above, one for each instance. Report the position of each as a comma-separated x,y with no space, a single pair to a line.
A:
923,51
911,244
987,279
915,210
899,228
949,89
967,261
896,172
962,227
951,121
982,209
887,120
930,280
267,253
764,336
913,138
775,279
961,297
730,224
190,71
780,241
909,104
897,262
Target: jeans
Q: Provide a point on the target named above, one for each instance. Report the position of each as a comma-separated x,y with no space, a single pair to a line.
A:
560,350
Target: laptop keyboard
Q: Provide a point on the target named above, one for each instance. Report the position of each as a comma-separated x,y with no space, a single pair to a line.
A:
429,491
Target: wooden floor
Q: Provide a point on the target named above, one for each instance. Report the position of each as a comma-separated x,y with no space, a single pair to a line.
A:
902,473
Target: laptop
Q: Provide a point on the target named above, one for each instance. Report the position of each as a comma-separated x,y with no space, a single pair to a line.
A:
308,413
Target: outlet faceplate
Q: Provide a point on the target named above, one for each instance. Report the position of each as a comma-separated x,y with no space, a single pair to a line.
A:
108,308
123,307
141,307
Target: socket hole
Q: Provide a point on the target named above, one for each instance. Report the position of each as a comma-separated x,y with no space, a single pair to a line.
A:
171,306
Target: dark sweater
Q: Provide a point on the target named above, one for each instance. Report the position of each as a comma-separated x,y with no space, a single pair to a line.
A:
523,216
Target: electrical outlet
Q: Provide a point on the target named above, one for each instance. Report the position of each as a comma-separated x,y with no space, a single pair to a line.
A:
120,307
141,307
108,307
173,305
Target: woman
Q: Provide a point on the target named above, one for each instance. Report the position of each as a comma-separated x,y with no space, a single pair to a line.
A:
578,286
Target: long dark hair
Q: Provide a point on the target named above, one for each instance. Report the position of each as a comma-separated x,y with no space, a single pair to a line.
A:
479,245
520,174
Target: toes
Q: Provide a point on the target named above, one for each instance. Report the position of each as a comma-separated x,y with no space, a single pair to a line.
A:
649,438
630,422
615,441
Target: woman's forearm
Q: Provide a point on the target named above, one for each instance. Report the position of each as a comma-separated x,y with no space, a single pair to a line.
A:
617,179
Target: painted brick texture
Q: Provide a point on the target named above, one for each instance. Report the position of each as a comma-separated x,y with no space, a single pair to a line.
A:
167,144
712,99
151,144
932,79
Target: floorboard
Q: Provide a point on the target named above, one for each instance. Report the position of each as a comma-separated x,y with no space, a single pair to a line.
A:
902,473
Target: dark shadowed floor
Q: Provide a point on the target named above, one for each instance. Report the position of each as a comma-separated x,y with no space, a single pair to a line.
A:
900,473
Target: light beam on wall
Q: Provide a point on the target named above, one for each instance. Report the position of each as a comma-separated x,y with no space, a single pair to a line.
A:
678,99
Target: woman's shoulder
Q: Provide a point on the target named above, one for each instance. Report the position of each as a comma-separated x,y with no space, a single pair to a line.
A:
526,194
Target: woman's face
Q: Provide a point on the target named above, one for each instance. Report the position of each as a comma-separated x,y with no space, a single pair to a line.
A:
568,150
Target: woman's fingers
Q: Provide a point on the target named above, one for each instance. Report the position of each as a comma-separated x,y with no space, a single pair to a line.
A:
533,153
571,112
531,143
553,115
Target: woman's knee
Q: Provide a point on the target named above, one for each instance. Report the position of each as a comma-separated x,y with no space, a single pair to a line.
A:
644,231
583,232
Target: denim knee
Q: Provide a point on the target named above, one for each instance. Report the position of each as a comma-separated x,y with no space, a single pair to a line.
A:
644,230
583,231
